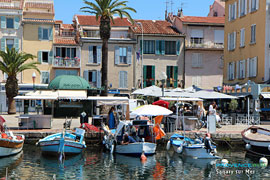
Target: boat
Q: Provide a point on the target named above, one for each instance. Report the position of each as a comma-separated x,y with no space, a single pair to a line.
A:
65,142
113,138
257,140
191,148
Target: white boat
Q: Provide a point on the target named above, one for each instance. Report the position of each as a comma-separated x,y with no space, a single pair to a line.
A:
257,140
10,144
113,139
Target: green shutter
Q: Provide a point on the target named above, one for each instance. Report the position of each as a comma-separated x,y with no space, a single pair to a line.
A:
178,48
175,73
153,75
50,57
16,44
39,56
157,47
39,33
51,34
168,76
3,22
3,44
16,22
162,47
141,47
144,76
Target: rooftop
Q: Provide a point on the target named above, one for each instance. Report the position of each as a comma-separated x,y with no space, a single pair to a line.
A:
203,20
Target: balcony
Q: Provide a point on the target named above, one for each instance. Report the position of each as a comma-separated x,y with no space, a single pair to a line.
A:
66,62
114,34
205,45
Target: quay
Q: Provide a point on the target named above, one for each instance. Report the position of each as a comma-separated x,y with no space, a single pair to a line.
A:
228,134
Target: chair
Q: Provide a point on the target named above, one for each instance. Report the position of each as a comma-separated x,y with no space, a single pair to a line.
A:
226,119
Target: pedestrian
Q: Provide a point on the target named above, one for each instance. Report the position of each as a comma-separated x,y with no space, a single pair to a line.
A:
111,118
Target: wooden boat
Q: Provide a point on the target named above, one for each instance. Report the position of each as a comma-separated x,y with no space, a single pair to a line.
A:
257,139
191,148
10,144
64,142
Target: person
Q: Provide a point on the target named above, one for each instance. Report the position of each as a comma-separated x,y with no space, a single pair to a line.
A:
134,134
111,118
201,113
2,124
207,143
217,116
128,139
211,110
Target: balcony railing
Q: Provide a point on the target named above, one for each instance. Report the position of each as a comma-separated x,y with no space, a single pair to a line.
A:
66,62
114,35
210,45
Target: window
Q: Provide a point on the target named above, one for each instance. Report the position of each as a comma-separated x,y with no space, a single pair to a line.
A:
170,47
253,5
252,67
231,67
93,77
231,41
241,69
45,76
10,23
196,60
148,76
242,7
172,76
242,37
45,57
196,36
148,46
219,37
123,55
45,34
10,43
94,54
123,79
232,11
253,34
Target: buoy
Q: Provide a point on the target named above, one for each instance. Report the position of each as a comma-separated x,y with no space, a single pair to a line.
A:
179,149
143,157
224,162
269,147
168,145
263,162
248,146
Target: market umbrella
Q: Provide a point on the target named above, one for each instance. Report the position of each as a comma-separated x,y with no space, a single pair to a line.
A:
151,110
161,103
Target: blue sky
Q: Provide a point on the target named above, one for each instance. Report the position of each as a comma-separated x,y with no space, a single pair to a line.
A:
146,9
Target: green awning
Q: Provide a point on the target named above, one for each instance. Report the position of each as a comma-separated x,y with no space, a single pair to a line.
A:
69,82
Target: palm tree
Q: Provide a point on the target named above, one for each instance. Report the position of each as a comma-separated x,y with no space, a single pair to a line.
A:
13,63
104,11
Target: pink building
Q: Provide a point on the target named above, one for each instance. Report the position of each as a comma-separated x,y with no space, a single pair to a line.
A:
217,9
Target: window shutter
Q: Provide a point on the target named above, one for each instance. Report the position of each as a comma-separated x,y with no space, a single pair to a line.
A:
228,41
153,75
157,47
235,10
16,44
228,71
90,51
248,72
39,56
98,54
244,69
162,47
237,70
16,22
200,60
94,76
86,75
245,6
229,12
254,66
129,55
121,79
39,33
116,55
234,39
144,75
141,50
257,4
239,8
195,60
51,34
249,7
178,47
3,44
68,52
168,76
3,22
233,70
125,79
98,79
175,73
50,57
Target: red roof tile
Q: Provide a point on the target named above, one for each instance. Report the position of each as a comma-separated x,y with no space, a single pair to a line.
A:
197,19
39,5
66,41
67,26
91,21
154,27
58,22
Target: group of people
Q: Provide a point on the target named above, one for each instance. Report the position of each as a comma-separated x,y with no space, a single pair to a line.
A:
131,138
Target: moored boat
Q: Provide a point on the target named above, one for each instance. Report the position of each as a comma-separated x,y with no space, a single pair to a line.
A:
64,142
10,144
257,140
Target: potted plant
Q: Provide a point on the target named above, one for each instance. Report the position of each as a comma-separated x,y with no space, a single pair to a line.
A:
233,106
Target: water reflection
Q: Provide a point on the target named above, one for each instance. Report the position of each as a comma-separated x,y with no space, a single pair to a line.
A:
10,162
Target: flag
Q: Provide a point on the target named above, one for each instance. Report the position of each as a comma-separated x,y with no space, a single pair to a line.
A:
138,55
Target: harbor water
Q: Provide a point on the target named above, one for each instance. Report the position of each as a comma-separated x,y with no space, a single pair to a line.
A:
95,164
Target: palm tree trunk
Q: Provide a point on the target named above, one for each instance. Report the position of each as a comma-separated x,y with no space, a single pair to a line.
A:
104,68
11,91
11,106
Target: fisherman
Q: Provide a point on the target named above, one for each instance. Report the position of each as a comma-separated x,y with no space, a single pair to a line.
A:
207,143
134,134
127,139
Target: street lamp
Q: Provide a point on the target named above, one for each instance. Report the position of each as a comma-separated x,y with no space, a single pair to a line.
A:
162,78
34,78
142,56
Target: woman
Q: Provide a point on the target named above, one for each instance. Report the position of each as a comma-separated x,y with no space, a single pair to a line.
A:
111,118
218,119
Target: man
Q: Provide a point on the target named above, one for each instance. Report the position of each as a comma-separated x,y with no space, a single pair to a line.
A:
128,139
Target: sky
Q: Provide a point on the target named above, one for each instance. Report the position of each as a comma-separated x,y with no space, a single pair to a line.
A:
146,9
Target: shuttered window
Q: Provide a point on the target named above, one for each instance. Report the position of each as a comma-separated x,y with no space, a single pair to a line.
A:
254,5
232,11
252,67
148,46
45,77
242,7
253,34
123,79
231,69
242,37
170,47
196,60
231,41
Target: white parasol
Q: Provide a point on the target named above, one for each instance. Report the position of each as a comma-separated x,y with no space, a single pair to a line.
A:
151,110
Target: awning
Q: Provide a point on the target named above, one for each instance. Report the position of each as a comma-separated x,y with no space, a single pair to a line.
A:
39,95
72,94
181,99
266,95
104,100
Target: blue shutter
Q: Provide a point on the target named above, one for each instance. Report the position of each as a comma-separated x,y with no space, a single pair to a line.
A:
50,57
39,56
3,22
125,79
99,54
90,50
3,44
177,48
129,55
116,55
157,47
39,33
98,79
51,34
94,76
16,44
121,79
85,75
16,22
162,47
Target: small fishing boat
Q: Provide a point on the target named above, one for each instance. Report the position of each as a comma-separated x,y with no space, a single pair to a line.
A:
10,144
63,143
257,140
113,139
191,148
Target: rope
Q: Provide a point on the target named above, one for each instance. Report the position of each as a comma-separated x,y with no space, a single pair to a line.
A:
258,154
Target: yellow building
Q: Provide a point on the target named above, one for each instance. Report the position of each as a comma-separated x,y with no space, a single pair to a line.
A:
247,41
38,24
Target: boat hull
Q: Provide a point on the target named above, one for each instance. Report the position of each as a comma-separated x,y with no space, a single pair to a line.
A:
136,149
10,147
52,147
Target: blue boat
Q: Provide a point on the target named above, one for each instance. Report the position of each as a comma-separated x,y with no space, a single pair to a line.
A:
63,143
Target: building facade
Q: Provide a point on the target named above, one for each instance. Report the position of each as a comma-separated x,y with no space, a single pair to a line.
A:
217,9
